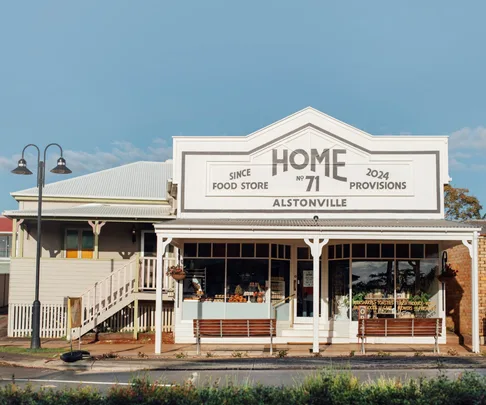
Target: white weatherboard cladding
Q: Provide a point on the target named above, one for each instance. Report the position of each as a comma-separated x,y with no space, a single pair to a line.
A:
311,164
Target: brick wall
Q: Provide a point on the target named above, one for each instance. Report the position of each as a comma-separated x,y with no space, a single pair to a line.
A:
458,292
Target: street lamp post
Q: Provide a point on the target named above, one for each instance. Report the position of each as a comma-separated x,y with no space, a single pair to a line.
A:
22,169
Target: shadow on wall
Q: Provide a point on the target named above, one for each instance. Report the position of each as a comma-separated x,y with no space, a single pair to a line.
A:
50,240
454,295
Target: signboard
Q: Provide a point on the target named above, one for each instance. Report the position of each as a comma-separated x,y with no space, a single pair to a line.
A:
362,312
74,305
311,169
307,278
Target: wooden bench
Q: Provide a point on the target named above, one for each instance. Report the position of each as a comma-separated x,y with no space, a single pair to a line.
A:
234,328
408,327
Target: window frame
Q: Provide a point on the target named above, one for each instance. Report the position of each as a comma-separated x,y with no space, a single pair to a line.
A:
80,249
8,246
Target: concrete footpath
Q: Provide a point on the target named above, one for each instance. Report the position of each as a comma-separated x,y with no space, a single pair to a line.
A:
134,356
295,363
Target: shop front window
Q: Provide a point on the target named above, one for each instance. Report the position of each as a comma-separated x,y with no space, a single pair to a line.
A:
387,281
196,285
373,286
417,289
235,280
247,280
339,290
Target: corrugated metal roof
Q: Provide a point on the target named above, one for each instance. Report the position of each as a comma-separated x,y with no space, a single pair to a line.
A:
321,223
480,223
139,180
99,211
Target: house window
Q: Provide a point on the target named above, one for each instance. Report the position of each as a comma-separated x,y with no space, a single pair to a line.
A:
5,245
79,244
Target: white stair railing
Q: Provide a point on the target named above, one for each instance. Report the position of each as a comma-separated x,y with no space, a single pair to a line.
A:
105,294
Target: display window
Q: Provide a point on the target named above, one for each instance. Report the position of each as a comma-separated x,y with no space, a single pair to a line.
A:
235,273
388,280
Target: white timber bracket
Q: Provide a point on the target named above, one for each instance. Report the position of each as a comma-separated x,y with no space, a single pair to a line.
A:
96,227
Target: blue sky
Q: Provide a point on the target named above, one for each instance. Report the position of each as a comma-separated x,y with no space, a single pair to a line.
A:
113,81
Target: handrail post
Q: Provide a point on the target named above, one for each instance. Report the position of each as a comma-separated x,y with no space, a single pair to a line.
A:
362,336
137,273
274,316
198,338
436,347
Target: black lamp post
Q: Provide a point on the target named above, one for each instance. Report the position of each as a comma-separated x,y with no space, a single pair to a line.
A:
22,169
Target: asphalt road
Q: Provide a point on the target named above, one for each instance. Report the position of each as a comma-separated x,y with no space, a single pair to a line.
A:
103,381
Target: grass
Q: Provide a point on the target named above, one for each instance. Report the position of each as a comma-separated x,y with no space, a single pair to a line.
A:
42,352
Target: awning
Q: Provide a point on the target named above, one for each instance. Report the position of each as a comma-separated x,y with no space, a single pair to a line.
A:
376,229
149,213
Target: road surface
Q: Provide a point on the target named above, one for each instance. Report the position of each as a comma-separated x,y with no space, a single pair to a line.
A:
103,381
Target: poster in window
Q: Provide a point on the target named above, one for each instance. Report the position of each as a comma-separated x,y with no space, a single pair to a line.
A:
307,276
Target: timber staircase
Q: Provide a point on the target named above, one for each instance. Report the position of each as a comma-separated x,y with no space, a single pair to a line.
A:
118,290
107,297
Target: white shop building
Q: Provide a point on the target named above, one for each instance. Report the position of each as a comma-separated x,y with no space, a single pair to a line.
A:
305,220
314,218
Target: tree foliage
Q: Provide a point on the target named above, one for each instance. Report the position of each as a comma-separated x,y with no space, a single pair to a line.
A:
459,205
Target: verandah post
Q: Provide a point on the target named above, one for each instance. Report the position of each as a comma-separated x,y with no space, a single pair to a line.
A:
316,246
161,246
136,325
473,253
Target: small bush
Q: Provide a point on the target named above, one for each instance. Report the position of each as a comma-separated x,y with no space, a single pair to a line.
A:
180,355
282,353
109,355
418,354
209,354
352,353
452,352
237,354
142,355
383,354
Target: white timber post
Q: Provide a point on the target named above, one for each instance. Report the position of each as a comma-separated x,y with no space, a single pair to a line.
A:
96,226
316,246
161,245
473,252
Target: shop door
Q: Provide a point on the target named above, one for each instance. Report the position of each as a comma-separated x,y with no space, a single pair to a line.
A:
304,307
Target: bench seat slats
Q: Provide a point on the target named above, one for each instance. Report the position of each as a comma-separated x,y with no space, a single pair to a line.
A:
400,327
235,327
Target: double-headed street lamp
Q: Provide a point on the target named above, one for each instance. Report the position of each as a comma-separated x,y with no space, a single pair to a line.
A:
41,171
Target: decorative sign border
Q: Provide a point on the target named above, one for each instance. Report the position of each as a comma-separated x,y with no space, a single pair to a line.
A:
315,127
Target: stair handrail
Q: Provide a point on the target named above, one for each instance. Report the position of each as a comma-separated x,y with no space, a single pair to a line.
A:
110,275
282,301
88,308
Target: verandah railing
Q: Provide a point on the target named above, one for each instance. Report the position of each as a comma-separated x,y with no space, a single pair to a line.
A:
148,273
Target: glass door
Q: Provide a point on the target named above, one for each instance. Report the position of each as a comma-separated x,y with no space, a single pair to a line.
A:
305,291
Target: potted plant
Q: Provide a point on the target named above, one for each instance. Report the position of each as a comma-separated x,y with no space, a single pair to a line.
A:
177,272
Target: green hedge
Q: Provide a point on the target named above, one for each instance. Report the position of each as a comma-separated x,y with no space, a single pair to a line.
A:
323,388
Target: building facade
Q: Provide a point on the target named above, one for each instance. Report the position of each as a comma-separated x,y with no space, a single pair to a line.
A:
318,217
306,221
